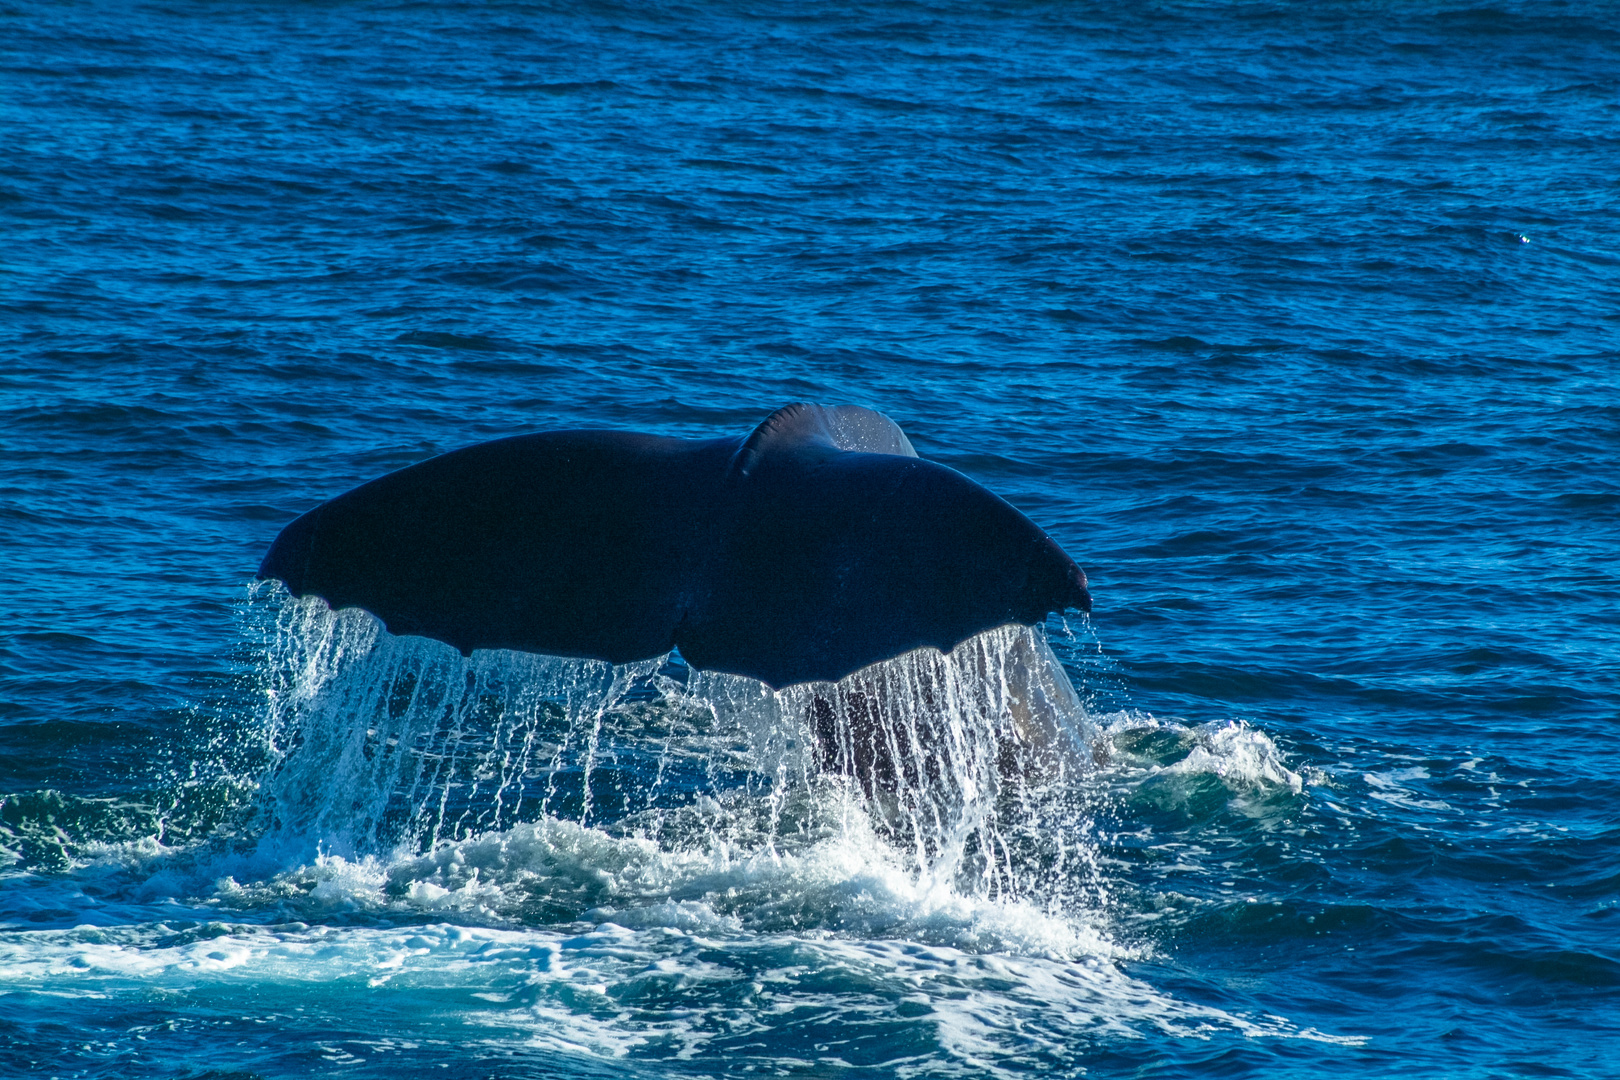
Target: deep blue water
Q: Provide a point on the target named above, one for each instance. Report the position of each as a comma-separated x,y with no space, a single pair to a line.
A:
1295,324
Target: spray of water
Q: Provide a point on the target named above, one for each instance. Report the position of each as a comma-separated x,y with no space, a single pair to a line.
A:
960,766
575,835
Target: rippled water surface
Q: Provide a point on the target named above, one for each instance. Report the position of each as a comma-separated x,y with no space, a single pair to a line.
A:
1295,324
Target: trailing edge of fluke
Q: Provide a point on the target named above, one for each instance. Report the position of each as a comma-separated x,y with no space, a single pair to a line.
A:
814,546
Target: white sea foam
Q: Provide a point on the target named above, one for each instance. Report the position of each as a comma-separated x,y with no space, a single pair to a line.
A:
765,862
1243,758
1240,756
983,1013
1390,786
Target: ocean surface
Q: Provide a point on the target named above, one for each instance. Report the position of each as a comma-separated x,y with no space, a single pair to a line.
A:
1297,325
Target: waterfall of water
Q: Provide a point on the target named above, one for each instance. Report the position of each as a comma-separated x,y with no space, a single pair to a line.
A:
963,763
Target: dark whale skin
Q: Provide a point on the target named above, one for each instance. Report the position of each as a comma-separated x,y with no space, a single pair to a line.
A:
815,546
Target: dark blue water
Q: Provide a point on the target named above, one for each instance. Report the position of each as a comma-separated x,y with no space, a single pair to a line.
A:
1295,324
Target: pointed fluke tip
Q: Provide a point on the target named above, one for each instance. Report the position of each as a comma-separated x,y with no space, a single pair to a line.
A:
1080,595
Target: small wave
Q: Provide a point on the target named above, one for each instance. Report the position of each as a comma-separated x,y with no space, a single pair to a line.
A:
1242,758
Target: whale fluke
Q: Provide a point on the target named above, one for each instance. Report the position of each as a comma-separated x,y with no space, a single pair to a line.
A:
814,546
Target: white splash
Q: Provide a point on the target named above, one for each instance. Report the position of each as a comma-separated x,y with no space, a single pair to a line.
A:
913,842
1242,758
961,762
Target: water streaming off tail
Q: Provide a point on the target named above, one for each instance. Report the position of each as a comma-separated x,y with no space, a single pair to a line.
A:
964,767
966,764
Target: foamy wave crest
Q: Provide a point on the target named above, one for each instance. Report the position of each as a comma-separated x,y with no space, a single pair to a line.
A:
1241,756
1193,772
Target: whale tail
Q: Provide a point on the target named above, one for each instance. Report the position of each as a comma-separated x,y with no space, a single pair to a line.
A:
814,546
